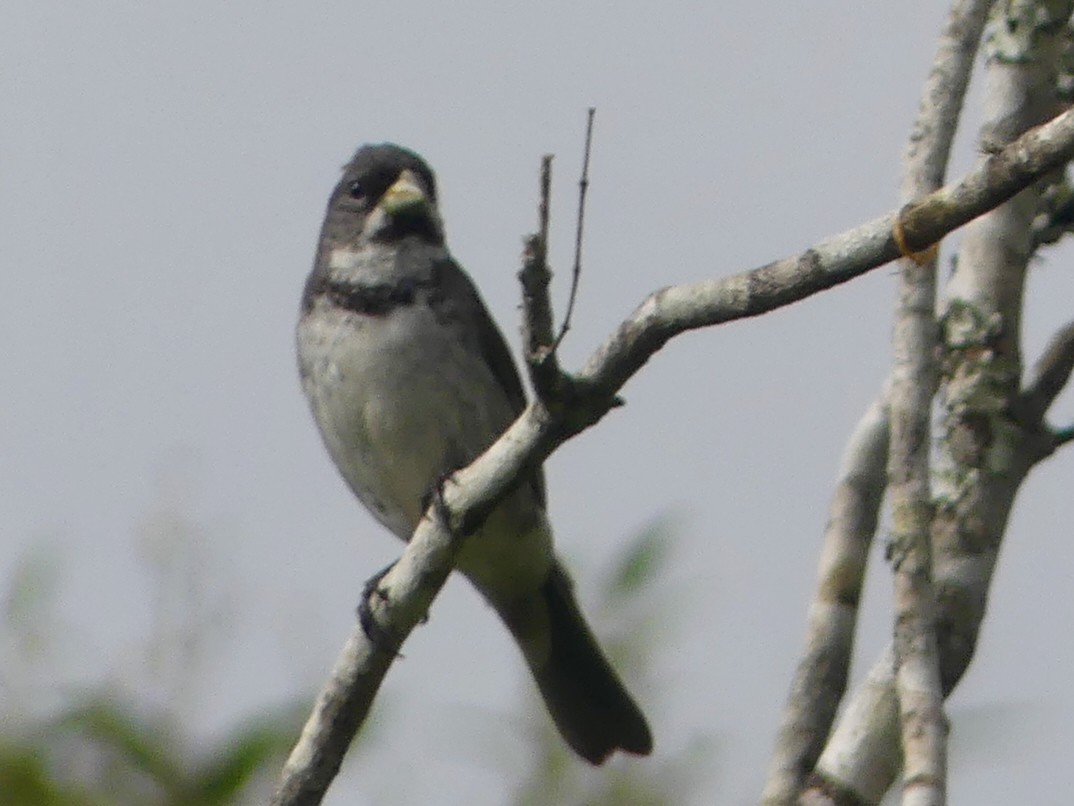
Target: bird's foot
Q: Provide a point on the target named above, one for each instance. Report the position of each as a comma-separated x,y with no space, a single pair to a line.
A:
434,499
380,637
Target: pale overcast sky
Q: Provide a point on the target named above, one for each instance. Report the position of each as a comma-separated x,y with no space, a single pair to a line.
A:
163,173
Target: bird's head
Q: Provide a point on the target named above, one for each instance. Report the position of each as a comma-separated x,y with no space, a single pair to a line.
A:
387,194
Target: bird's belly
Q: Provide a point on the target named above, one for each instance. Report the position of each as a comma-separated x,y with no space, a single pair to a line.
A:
400,405
375,401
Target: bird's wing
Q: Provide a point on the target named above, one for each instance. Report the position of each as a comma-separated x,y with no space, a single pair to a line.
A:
456,286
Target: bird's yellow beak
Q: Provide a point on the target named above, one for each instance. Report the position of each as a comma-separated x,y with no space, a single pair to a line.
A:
405,196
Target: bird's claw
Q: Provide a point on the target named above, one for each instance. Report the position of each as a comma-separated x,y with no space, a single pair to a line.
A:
435,499
379,637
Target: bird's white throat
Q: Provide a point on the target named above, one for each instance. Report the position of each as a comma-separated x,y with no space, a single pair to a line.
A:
384,263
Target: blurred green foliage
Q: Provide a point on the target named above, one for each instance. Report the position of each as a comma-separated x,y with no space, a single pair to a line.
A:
99,752
107,746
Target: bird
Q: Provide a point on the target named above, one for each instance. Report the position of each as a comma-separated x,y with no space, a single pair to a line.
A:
409,379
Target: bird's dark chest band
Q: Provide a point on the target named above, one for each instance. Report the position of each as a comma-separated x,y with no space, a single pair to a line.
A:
374,300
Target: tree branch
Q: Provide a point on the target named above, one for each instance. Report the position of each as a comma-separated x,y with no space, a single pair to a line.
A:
670,311
913,384
1050,375
413,582
821,677
984,454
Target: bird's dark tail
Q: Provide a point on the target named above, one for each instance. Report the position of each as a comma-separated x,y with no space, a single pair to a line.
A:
583,694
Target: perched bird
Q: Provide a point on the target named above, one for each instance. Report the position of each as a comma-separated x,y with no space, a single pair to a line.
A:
410,379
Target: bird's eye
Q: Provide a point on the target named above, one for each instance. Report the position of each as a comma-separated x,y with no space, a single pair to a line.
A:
356,190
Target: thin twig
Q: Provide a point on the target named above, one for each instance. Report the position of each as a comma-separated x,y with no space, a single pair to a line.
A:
576,271
544,206
537,319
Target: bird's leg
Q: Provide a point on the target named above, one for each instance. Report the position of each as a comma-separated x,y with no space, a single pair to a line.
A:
373,631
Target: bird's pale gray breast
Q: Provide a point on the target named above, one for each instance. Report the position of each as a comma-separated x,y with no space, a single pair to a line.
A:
398,393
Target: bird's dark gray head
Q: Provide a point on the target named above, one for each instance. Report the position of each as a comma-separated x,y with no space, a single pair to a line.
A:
387,193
